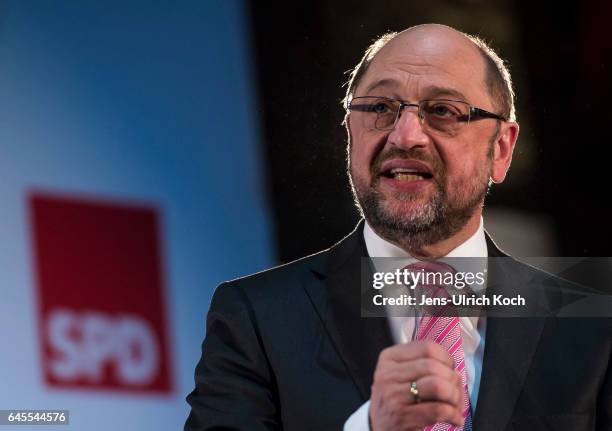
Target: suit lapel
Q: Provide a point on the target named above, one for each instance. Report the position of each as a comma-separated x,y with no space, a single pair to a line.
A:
335,292
510,344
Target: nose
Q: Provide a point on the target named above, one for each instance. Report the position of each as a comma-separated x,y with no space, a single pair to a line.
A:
408,131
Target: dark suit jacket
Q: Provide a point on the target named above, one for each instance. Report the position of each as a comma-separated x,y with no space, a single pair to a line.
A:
286,349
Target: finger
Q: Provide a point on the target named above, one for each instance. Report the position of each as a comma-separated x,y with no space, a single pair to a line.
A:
430,413
429,390
433,388
416,350
406,372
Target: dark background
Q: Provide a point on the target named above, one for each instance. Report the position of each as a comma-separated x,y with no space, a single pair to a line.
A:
559,56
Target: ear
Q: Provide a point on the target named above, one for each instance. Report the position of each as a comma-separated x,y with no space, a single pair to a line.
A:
502,150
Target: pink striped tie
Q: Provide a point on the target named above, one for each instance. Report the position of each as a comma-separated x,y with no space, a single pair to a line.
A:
445,331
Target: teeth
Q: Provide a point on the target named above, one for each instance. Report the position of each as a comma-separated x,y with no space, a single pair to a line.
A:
402,170
407,177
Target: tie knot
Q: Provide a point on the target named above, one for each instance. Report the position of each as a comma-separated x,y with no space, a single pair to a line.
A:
431,266
427,274
433,284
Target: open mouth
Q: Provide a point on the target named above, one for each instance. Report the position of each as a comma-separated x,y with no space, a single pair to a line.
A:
407,174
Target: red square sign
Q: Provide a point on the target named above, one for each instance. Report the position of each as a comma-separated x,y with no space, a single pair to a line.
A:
102,315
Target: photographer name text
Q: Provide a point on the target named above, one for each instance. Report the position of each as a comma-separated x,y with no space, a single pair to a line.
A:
456,300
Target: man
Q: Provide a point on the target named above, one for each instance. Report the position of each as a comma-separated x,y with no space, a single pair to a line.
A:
430,121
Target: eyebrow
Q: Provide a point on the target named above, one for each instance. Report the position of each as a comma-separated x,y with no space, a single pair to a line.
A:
445,91
431,92
382,83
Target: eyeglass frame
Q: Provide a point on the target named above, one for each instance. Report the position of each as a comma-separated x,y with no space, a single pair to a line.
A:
473,114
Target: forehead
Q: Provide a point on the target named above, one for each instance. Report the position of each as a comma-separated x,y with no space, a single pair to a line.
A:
430,63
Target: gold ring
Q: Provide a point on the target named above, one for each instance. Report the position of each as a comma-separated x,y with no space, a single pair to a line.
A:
415,392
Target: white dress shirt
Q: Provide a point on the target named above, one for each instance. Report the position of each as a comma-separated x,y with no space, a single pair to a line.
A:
472,328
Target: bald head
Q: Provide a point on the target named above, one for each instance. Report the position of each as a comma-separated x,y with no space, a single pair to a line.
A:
434,39
428,46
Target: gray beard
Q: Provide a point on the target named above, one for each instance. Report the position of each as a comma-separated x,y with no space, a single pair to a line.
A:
437,220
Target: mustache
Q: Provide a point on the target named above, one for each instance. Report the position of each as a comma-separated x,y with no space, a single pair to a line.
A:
411,154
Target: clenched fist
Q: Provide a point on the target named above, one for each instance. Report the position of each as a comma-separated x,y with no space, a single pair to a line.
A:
393,407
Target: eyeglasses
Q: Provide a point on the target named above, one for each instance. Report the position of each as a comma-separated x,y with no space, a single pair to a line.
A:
441,115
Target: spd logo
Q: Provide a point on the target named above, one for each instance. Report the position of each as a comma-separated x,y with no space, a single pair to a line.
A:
102,316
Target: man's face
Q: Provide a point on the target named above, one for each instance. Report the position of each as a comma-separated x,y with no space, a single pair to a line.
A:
417,186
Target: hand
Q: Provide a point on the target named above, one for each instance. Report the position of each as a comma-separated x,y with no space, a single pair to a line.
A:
393,407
